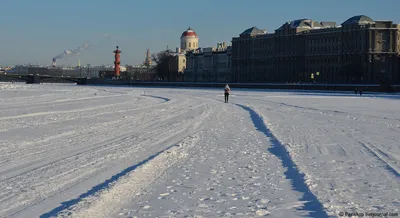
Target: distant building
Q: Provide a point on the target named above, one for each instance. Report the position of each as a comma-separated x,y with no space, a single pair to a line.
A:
141,73
147,61
53,71
360,50
212,64
177,67
189,42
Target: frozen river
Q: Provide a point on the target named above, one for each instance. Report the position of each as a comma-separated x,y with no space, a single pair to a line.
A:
92,151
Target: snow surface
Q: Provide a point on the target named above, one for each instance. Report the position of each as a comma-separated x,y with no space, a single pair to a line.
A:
93,151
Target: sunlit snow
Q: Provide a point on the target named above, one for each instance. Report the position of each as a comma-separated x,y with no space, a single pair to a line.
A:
93,151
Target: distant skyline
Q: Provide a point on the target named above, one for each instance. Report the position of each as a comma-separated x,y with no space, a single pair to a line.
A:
36,31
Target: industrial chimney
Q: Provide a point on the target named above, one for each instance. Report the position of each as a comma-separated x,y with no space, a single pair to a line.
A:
54,62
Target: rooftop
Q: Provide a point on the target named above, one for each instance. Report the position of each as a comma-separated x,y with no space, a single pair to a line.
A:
359,19
189,32
305,24
253,31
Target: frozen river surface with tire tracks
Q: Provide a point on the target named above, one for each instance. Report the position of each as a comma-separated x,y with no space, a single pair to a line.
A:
93,151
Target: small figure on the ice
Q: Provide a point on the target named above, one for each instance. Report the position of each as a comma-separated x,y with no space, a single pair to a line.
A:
227,90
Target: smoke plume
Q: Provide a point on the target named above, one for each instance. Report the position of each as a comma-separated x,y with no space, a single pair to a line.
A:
74,52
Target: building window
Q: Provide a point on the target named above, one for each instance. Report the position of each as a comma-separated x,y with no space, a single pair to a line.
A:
380,36
190,44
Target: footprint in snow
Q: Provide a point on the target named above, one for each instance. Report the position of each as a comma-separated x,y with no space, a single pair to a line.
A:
203,205
223,195
264,201
164,194
262,212
205,198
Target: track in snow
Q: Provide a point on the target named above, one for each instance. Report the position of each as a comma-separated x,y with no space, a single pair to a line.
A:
79,147
83,160
328,147
124,185
292,173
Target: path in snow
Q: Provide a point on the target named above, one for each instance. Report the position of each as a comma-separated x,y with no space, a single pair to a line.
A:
348,149
125,152
50,156
228,171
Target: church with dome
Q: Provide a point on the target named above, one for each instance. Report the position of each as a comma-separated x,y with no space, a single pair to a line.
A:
189,41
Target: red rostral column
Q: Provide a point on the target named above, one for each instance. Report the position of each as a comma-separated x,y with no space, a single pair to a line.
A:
117,62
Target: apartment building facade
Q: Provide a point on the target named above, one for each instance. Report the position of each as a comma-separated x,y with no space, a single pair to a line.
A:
360,50
211,64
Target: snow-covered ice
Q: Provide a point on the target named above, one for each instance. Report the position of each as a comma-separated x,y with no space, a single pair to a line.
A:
95,151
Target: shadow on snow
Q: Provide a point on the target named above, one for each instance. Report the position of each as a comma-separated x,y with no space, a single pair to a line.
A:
153,96
297,179
101,186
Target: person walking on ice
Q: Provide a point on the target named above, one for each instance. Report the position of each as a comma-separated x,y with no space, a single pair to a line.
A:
227,90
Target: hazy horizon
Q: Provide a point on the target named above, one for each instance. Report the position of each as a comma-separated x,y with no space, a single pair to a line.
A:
35,33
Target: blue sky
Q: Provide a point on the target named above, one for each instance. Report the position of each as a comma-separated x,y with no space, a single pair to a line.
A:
35,31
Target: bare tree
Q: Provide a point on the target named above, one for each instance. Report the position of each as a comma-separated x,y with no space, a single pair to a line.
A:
163,62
